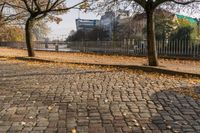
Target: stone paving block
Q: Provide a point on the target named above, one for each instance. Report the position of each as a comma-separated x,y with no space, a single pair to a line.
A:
16,128
4,128
62,130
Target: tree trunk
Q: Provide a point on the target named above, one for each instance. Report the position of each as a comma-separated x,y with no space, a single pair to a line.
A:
28,28
151,39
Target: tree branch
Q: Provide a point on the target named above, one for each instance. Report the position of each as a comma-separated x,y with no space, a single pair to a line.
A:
185,3
27,6
15,6
158,2
68,8
37,5
141,3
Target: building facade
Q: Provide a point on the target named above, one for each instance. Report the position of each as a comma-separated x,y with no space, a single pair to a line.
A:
108,22
86,24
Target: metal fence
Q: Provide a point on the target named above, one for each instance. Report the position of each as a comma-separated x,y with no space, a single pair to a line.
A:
174,48
13,44
39,45
168,48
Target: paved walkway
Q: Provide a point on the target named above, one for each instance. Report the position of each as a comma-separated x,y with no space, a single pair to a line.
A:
50,98
176,65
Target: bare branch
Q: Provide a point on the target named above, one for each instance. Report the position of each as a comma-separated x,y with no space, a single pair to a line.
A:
37,5
185,3
67,8
27,6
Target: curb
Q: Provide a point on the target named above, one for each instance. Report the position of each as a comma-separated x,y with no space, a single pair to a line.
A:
149,69
143,56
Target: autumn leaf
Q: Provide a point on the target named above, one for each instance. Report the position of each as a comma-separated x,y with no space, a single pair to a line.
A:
74,130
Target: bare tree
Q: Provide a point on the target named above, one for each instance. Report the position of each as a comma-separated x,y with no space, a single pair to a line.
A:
35,10
149,6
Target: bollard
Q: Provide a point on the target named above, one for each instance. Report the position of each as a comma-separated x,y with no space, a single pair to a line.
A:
56,48
46,45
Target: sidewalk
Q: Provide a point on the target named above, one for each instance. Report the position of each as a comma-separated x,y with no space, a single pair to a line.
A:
183,66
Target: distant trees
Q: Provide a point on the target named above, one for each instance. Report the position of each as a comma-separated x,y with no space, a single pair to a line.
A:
95,34
187,29
16,33
11,33
164,27
165,24
123,31
76,36
184,33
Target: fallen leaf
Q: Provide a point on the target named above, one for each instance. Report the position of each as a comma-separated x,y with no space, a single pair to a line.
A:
134,120
143,128
23,123
169,127
18,92
74,130
50,108
106,100
136,124
31,117
124,114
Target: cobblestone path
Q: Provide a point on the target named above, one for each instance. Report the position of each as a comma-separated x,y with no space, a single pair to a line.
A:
58,99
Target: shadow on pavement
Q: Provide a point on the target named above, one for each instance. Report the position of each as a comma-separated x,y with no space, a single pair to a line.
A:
176,112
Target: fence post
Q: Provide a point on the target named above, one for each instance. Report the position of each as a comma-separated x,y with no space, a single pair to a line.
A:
133,46
198,50
181,48
105,47
194,54
56,47
85,46
46,44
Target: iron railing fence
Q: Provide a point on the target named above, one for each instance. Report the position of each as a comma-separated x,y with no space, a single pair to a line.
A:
168,48
183,48
39,45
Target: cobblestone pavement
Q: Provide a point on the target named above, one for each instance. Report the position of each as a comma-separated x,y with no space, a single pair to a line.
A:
58,99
